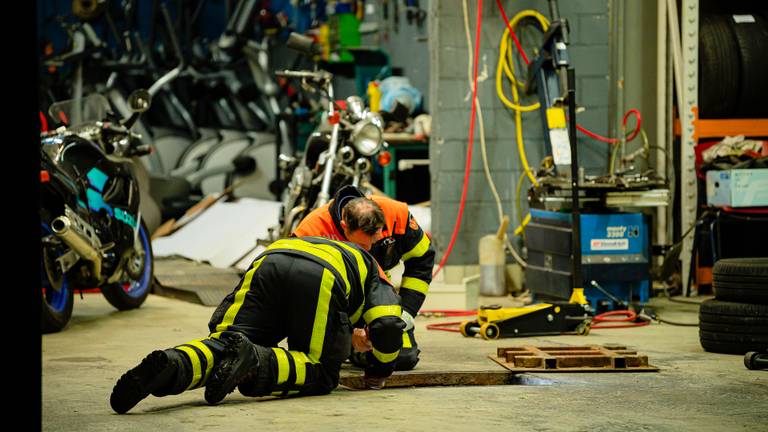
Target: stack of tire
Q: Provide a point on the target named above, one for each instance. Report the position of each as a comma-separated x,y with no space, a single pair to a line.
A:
733,66
736,320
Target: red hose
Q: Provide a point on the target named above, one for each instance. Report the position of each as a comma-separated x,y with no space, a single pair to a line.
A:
446,312
578,126
609,320
632,136
628,317
512,32
471,140
443,326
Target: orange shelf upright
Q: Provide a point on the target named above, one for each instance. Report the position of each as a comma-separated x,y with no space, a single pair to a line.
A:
716,128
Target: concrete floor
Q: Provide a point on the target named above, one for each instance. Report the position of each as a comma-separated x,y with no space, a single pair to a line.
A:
694,390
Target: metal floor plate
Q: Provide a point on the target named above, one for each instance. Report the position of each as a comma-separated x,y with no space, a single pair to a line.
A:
193,282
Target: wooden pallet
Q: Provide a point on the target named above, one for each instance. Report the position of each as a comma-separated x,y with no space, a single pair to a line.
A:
589,358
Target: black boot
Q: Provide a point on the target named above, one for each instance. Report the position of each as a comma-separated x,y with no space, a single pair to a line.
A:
239,362
156,373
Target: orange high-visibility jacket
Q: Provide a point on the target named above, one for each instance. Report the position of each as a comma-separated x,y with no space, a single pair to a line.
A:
403,240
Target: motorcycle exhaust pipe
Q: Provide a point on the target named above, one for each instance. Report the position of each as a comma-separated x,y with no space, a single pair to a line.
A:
289,220
63,229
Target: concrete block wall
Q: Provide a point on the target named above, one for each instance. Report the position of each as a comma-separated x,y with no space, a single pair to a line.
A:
450,106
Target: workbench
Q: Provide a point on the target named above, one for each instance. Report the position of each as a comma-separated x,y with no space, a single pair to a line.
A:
401,142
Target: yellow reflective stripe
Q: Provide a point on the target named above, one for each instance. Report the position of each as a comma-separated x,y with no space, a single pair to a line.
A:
321,316
293,392
325,252
415,284
380,311
229,316
420,249
216,335
278,393
362,269
356,316
406,341
208,358
385,357
300,361
283,367
196,368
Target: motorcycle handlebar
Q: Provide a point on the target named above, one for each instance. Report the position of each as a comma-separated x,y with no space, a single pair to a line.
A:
173,73
302,44
91,35
317,76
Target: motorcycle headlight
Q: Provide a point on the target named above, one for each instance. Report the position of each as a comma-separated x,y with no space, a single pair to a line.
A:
366,137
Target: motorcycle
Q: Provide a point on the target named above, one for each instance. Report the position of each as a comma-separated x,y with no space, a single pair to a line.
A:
338,153
92,232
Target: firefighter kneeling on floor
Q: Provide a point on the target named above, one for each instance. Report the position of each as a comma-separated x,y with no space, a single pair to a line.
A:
386,228
310,290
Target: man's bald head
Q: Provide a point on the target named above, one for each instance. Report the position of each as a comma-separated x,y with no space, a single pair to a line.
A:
363,214
362,221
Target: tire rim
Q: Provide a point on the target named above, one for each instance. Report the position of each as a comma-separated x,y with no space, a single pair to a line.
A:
56,299
137,287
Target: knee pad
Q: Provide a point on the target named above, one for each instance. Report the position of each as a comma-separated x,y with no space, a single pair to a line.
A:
407,359
262,382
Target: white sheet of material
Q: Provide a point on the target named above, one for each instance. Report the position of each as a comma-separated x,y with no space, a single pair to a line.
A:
423,216
222,234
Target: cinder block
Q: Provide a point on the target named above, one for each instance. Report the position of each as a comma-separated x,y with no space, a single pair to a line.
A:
595,119
589,59
499,155
592,29
450,156
592,91
450,64
450,186
450,31
573,7
454,123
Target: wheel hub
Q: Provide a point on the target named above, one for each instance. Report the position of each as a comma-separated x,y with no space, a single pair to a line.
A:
135,264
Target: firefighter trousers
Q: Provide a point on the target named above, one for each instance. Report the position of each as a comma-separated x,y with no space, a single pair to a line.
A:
281,296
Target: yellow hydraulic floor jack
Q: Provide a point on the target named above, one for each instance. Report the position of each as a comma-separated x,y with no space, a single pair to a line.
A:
493,322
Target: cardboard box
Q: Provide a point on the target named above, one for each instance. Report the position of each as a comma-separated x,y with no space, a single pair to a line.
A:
738,188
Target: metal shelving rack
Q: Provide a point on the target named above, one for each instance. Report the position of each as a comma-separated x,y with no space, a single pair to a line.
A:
690,127
689,78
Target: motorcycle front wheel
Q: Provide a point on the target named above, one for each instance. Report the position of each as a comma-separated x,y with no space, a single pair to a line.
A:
130,292
58,296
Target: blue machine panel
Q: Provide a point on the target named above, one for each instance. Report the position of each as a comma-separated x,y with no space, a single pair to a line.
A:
615,250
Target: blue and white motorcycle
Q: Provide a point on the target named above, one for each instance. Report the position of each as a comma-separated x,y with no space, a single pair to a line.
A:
92,234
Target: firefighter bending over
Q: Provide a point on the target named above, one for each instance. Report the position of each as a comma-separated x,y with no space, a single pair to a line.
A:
390,233
310,290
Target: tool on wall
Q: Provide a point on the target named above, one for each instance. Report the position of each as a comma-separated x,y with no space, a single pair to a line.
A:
396,15
414,13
